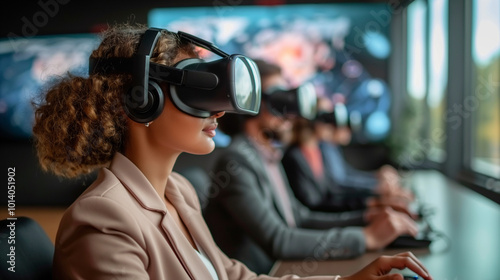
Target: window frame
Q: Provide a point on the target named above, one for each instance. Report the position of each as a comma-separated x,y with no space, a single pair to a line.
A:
464,173
461,84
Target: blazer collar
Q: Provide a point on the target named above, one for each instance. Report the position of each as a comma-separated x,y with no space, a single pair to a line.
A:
199,231
304,165
296,152
243,145
138,185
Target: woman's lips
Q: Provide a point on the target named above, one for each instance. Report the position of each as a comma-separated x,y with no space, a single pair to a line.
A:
210,130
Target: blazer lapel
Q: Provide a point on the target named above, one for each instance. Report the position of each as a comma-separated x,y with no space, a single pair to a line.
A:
244,146
138,185
199,232
299,157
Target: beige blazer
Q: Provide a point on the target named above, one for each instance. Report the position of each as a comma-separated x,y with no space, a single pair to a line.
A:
119,228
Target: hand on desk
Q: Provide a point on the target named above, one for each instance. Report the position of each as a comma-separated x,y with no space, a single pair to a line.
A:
390,184
380,268
377,203
385,225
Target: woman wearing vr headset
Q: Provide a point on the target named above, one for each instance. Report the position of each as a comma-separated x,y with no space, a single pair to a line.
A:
130,120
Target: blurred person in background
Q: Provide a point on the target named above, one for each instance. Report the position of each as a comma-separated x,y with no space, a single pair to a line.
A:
322,179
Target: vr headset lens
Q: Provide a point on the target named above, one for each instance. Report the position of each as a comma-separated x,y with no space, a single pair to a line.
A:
339,117
307,101
301,101
244,86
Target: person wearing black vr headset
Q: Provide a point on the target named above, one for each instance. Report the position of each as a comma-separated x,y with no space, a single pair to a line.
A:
253,214
321,178
131,118
334,134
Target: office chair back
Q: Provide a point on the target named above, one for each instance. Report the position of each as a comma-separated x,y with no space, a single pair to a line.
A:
27,251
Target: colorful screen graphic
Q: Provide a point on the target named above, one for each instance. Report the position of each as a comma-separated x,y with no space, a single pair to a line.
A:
344,49
28,65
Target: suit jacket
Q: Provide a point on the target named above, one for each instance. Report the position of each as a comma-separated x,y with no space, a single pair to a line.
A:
119,228
320,194
248,223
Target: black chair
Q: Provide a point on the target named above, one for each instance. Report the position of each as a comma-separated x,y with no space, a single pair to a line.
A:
31,257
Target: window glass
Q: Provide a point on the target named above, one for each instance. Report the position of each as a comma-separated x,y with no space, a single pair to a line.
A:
416,50
408,136
484,102
438,77
423,119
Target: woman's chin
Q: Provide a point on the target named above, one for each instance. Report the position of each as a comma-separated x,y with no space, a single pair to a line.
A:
206,149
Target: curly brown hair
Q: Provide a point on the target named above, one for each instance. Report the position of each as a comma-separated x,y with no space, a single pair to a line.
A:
81,124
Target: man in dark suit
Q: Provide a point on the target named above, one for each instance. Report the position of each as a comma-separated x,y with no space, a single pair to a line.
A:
253,215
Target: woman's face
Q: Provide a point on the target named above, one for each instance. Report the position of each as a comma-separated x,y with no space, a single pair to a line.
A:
179,132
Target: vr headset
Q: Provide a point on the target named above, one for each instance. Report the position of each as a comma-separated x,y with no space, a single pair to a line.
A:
301,101
341,117
196,87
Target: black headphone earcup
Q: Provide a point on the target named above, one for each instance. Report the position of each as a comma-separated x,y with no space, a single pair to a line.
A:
153,107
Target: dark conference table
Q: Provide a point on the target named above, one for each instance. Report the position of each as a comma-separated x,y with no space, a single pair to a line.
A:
469,248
